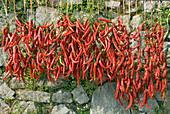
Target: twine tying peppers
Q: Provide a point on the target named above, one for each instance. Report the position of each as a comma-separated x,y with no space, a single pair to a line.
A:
104,48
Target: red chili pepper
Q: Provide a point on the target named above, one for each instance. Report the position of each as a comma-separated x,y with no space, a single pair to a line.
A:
101,64
106,20
120,62
122,88
118,99
18,68
6,75
114,62
47,26
34,75
18,22
117,89
128,86
116,46
100,75
130,102
79,54
145,98
86,33
90,59
69,22
147,102
163,95
48,75
78,74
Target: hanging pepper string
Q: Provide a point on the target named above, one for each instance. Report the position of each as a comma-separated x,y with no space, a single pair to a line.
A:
77,4
151,10
106,7
46,5
117,7
81,5
9,1
159,10
31,6
159,4
14,5
24,4
144,8
111,5
129,9
52,5
136,5
123,6
87,4
38,4
71,4
6,6
151,5
93,4
98,6
67,6
60,3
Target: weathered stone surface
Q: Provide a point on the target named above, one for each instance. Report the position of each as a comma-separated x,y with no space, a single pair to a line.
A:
1,82
80,95
43,81
3,57
6,92
83,16
16,84
103,101
132,2
134,43
40,82
19,5
151,103
167,98
168,35
4,108
112,4
126,21
136,21
125,18
61,109
142,41
29,16
62,97
159,96
147,5
11,19
2,23
131,10
42,16
37,96
24,107
65,2
168,52
137,112
2,20
165,3
166,45
2,76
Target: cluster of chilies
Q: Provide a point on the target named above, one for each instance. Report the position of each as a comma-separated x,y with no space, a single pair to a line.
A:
88,52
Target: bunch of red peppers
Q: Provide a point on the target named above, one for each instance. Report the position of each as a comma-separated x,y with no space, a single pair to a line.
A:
89,52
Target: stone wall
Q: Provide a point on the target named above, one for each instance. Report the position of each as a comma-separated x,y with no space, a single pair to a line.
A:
65,97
